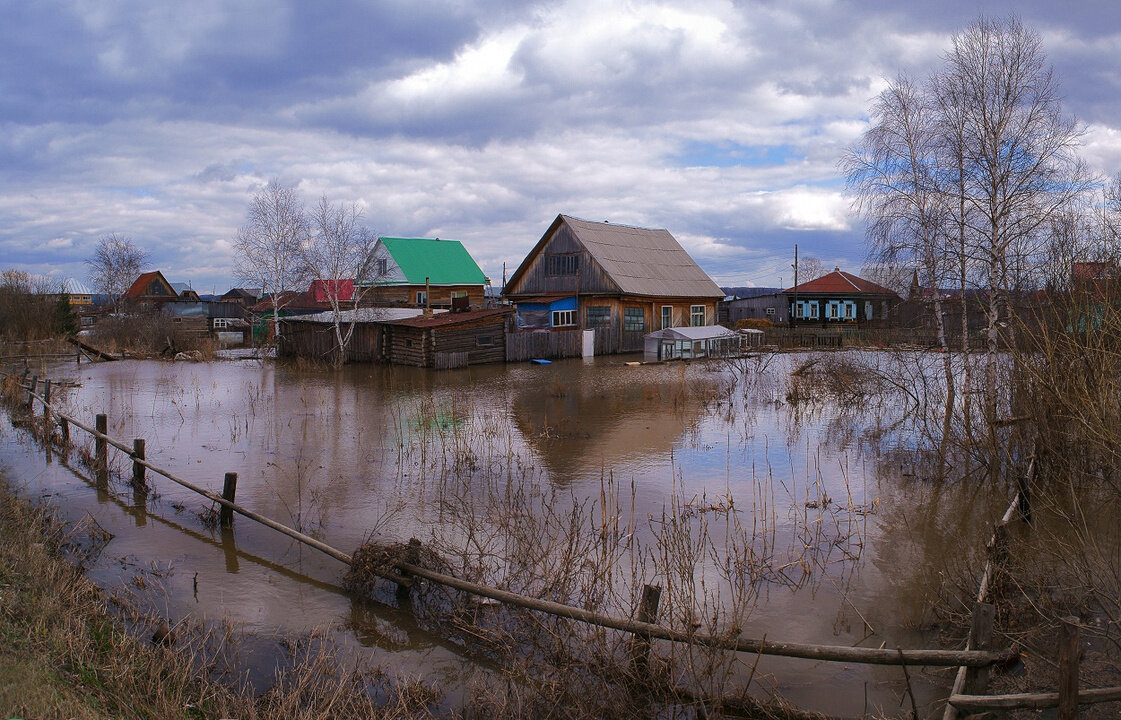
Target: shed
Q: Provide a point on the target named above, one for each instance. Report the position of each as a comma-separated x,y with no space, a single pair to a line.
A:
684,343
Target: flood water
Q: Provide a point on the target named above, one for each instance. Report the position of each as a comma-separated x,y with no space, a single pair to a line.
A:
854,537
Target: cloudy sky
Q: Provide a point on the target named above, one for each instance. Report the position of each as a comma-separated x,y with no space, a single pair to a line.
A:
477,121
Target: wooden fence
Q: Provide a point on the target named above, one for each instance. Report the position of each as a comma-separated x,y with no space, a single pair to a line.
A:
548,344
973,662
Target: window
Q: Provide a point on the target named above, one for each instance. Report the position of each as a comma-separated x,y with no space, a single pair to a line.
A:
770,311
806,309
458,293
696,315
421,297
667,316
220,323
597,316
634,319
484,341
834,310
850,310
562,264
564,318
383,267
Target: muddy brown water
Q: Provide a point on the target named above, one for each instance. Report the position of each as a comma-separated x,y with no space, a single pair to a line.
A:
346,453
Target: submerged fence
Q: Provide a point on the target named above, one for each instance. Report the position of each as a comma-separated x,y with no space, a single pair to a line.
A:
973,662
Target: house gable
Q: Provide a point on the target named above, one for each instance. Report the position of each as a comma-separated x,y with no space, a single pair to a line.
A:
587,257
415,261
151,286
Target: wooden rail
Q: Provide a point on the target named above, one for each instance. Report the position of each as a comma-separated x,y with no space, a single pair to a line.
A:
405,571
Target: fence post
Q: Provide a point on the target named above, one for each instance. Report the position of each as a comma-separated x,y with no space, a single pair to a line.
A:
64,428
1070,654
647,613
101,450
34,384
981,634
138,481
412,557
229,490
47,411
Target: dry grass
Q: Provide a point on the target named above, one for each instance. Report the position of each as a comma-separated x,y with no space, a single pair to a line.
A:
67,649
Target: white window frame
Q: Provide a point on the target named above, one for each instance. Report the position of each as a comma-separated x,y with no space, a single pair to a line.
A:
221,323
667,316
694,311
563,318
770,311
421,297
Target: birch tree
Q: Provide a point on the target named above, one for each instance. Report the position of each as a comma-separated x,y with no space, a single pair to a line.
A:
1019,164
269,244
895,173
338,252
115,264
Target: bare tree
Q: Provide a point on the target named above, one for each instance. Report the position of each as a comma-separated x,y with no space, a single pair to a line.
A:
338,253
116,263
809,268
1018,164
269,244
895,173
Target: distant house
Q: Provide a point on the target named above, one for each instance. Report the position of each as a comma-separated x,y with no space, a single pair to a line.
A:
186,292
840,297
424,272
77,294
620,281
322,291
246,297
151,289
757,304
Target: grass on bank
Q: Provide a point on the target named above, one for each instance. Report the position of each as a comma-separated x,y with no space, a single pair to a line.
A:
70,650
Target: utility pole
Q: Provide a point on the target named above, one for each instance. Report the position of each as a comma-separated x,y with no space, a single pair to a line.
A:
794,307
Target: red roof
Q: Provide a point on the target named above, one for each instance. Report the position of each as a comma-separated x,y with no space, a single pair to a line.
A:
139,288
322,290
840,282
450,318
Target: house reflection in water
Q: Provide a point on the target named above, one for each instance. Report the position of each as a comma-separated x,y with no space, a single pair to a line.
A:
584,420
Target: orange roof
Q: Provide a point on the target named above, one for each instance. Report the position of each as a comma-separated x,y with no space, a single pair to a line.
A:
840,282
139,288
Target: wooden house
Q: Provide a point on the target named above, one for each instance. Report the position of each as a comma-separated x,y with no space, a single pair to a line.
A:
150,289
620,281
839,298
403,336
424,272
246,297
447,340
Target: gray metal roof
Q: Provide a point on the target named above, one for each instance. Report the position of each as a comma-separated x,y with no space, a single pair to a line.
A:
642,261
362,315
699,332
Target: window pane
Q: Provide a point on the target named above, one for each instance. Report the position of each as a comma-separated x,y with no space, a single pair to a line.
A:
634,319
598,316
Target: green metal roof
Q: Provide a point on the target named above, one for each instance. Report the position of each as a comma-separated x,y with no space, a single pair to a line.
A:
442,262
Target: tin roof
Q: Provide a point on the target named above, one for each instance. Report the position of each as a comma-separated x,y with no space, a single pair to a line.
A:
441,262
643,261
699,332
639,261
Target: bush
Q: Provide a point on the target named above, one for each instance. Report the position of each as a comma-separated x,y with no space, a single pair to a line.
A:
754,324
151,333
